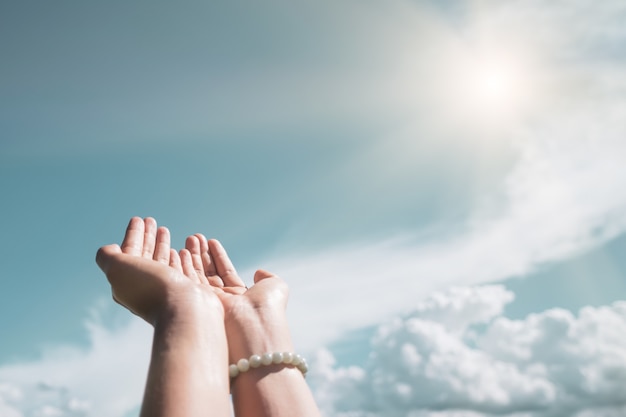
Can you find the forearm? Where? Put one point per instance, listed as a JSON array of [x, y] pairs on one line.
[[188, 374], [274, 390]]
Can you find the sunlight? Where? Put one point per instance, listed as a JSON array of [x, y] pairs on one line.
[[482, 86], [485, 88], [491, 89], [494, 84]]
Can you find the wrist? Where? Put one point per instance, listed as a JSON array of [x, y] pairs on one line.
[[189, 308], [256, 331], [194, 332], [189, 356]]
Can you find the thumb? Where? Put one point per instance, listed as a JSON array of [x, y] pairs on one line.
[[262, 274], [105, 254]]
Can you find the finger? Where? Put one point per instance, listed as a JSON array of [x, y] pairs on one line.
[[149, 237], [187, 264], [162, 247], [175, 261], [279, 287], [207, 262], [133, 240], [223, 265], [104, 255], [193, 246], [262, 274], [215, 281]]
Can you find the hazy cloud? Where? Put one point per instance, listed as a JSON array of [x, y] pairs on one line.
[[564, 196]]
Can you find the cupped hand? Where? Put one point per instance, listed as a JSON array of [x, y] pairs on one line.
[[255, 317], [211, 261], [149, 278]]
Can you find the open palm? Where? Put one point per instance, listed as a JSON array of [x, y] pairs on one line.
[[211, 261], [146, 274]]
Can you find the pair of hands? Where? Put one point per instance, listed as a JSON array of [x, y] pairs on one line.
[[154, 281]]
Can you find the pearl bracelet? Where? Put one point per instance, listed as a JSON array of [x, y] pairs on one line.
[[254, 361]]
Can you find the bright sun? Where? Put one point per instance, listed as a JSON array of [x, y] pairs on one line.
[[494, 84], [486, 87], [493, 88]]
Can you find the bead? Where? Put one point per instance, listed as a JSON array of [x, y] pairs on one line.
[[303, 367], [287, 357], [243, 365], [266, 359], [255, 361]]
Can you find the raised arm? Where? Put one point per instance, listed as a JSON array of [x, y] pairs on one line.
[[188, 372], [256, 323]]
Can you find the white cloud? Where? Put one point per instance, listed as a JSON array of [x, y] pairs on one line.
[[42, 400], [9, 397], [549, 364], [564, 196], [105, 379]]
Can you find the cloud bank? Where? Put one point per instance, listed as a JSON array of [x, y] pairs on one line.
[[454, 355], [105, 379], [550, 364]]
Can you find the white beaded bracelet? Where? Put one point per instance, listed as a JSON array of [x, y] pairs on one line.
[[254, 361]]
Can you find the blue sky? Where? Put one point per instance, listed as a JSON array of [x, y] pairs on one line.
[[418, 171]]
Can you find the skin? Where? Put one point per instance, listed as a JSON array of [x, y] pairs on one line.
[[188, 373], [255, 322], [195, 300]]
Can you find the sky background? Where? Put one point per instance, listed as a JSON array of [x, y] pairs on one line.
[[441, 183]]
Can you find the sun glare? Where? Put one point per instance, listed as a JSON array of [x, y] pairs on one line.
[[493, 89], [486, 87], [494, 84]]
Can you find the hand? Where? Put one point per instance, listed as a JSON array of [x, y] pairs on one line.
[[255, 322], [255, 318], [151, 279]]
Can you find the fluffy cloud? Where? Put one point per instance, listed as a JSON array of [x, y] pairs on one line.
[[40, 400], [455, 355], [552, 363], [105, 379]]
